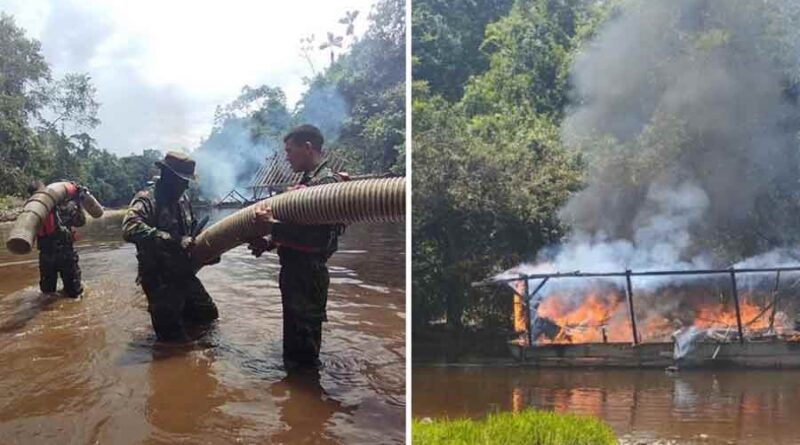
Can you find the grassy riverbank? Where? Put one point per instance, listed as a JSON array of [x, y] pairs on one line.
[[525, 428]]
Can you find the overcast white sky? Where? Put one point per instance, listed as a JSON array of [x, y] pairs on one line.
[[162, 66]]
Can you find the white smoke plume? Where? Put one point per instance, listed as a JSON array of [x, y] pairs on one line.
[[229, 158], [232, 154], [687, 114]]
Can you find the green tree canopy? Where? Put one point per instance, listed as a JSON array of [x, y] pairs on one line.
[[490, 170]]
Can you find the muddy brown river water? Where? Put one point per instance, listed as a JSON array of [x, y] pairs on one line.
[[691, 407], [90, 371]]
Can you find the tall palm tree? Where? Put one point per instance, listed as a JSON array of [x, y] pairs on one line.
[[333, 42], [349, 20]]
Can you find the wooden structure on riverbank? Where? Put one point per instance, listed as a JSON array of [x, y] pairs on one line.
[[273, 177], [276, 175]]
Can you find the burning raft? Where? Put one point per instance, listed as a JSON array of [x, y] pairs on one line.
[[699, 320]]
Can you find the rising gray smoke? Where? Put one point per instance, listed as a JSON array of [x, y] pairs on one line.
[[686, 111], [324, 107], [232, 154], [229, 158]]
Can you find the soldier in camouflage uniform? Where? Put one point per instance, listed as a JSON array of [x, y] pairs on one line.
[[57, 255], [161, 223], [303, 253]]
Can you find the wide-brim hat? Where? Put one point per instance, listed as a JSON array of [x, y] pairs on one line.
[[180, 164]]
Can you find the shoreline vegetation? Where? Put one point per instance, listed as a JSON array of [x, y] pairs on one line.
[[529, 427], [48, 123], [10, 208]]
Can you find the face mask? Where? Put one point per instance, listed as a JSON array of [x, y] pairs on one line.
[[172, 186]]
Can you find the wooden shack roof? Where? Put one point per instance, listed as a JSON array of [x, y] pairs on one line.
[[276, 172]]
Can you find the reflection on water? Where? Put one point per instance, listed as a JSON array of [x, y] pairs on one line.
[[743, 407], [295, 395], [91, 371]]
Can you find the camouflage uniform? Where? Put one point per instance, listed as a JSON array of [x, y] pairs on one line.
[[175, 295], [57, 254], [304, 280]]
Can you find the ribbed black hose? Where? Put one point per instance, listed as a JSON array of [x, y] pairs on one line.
[[36, 209], [369, 200]]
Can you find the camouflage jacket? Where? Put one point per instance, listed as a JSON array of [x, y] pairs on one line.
[[156, 229], [57, 232], [310, 242]]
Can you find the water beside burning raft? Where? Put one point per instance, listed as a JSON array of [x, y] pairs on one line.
[[642, 406], [90, 370]]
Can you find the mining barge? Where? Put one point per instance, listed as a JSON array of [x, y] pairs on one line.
[[746, 331], [774, 354]]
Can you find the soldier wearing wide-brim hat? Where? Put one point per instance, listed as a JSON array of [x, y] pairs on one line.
[[178, 163], [161, 223]]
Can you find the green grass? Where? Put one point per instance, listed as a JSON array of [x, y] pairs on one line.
[[529, 427], [7, 202]]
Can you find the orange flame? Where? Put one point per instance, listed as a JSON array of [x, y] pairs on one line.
[[520, 320], [519, 309], [718, 315], [602, 316], [598, 318]]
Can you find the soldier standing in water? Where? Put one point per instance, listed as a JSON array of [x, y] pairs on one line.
[[303, 252], [161, 223], [55, 241]]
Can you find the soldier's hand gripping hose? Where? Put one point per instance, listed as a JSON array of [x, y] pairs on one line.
[[257, 246], [84, 199], [173, 252], [187, 242], [80, 192]]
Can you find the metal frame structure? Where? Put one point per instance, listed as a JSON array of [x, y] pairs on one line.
[[545, 277], [234, 197]]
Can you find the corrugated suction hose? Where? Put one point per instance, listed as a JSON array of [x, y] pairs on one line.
[[369, 200], [91, 205], [36, 209]]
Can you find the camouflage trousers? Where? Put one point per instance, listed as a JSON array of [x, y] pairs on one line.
[[63, 262], [175, 303], [304, 294]]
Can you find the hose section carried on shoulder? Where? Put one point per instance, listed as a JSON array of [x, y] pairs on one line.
[[36, 209]]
